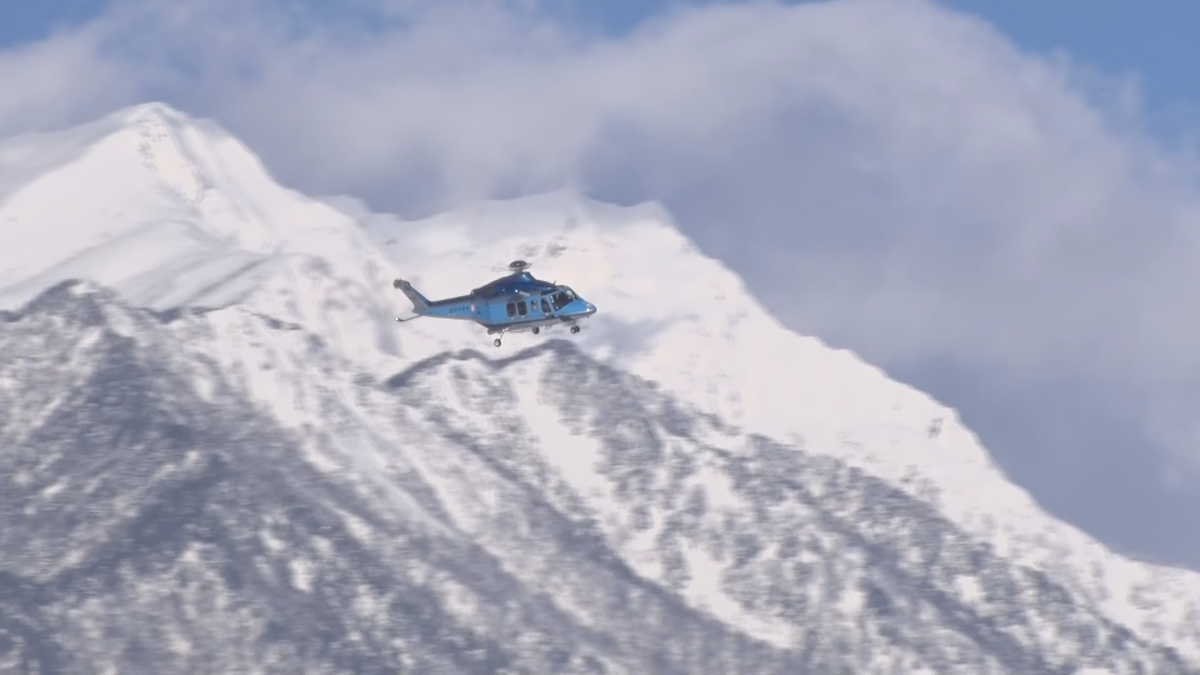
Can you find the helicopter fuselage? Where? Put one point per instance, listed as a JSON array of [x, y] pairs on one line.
[[511, 304]]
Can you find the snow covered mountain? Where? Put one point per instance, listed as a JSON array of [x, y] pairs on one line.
[[222, 455]]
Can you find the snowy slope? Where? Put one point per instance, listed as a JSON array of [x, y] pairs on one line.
[[171, 211], [683, 320], [539, 513]]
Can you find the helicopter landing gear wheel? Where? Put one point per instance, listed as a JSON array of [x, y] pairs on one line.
[[536, 330], [496, 342], [574, 329]]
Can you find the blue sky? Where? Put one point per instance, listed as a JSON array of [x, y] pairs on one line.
[[948, 200], [1156, 43], [23, 22]]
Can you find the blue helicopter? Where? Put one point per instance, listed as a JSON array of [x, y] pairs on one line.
[[513, 303]]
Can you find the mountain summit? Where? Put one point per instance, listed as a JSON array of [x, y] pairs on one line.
[[224, 420]]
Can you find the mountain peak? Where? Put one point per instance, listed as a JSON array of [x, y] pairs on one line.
[[77, 305], [70, 293], [161, 135], [151, 111], [165, 208]]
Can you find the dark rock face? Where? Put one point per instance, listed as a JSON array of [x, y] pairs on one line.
[[154, 523]]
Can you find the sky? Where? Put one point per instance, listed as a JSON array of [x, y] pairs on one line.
[[997, 202]]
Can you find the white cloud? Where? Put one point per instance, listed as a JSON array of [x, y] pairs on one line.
[[52, 83], [888, 175]]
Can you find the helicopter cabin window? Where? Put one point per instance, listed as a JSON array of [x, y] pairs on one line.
[[512, 309], [545, 306], [521, 308]]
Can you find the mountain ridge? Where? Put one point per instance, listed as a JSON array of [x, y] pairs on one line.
[[1058, 546], [314, 267], [590, 560]]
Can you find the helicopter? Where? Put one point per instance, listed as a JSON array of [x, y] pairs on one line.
[[514, 303]]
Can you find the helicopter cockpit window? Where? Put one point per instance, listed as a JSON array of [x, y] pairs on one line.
[[563, 298]]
